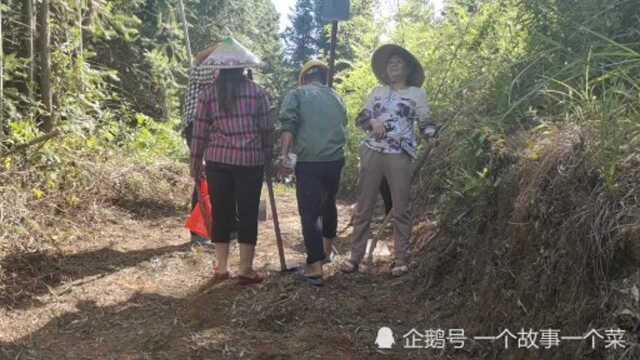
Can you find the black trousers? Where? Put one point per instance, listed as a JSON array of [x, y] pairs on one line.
[[235, 188], [317, 184], [188, 134], [194, 202]]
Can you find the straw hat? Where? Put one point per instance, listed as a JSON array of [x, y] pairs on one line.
[[309, 66], [200, 57], [231, 54], [381, 57]]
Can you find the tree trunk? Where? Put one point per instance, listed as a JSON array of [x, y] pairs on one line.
[[80, 41], [2, 119], [185, 24], [80, 59], [46, 122], [91, 12], [332, 52], [28, 45]]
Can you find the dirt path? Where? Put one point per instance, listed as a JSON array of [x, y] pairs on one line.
[[133, 288]]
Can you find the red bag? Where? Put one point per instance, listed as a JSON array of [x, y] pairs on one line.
[[198, 223]]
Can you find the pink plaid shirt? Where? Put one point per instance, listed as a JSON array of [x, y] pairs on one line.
[[240, 137]]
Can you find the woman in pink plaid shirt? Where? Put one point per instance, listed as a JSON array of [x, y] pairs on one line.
[[232, 135]]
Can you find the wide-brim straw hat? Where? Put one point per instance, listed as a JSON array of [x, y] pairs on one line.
[[230, 54], [308, 66], [381, 57], [200, 57], [201, 72]]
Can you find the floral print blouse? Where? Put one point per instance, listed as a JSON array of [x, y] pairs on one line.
[[401, 110]]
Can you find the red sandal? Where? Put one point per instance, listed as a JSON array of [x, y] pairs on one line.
[[250, 280], [220, 276]]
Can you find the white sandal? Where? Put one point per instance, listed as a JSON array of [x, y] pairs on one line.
[[349, 267], [399, 270]]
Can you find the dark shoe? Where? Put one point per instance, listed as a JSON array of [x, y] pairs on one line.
[[199, 240], [311, 280]]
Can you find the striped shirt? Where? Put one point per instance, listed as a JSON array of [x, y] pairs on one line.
[[240, 137], [200, 77]]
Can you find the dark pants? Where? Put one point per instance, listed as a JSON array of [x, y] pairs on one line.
[[194, 202], [188, 134], [235, 188], [385, 191], [317, 184]]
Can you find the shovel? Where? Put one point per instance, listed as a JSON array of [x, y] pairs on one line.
[[276, 226]]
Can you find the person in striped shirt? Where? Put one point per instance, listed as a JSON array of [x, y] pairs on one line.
[[233, 132], [201, 75]]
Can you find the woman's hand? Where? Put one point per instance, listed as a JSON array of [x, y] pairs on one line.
[[196, 172], [377, 128]]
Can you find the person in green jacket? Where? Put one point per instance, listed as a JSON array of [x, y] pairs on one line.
[[313, 121]]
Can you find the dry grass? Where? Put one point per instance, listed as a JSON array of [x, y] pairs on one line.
[[34, 201], [133, 288], [552, 247], [45, 209]]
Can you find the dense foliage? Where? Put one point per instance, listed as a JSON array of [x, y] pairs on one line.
[[495, 68], [498, 67], [114, 62], [116, 71], [535, 172]]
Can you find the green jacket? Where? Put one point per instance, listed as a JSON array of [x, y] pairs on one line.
[[317, 118]]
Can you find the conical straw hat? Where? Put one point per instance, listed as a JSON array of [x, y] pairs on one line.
[[231, 54]]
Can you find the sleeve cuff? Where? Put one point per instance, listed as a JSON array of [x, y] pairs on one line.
[[288, 129], [429, 130]]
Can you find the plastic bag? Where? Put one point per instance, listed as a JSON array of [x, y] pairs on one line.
[[197, 223]]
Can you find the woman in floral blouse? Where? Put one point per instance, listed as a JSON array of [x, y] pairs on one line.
[[390, 117]]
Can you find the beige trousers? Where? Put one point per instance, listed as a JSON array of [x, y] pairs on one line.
[[398, 170]]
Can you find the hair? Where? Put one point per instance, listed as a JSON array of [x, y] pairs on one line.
[[227, 87], [316, 73]]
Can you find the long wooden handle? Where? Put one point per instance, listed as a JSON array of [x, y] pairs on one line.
[[276, 224]]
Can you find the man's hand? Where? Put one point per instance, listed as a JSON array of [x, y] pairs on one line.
[[283, 170], [286, 142]]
